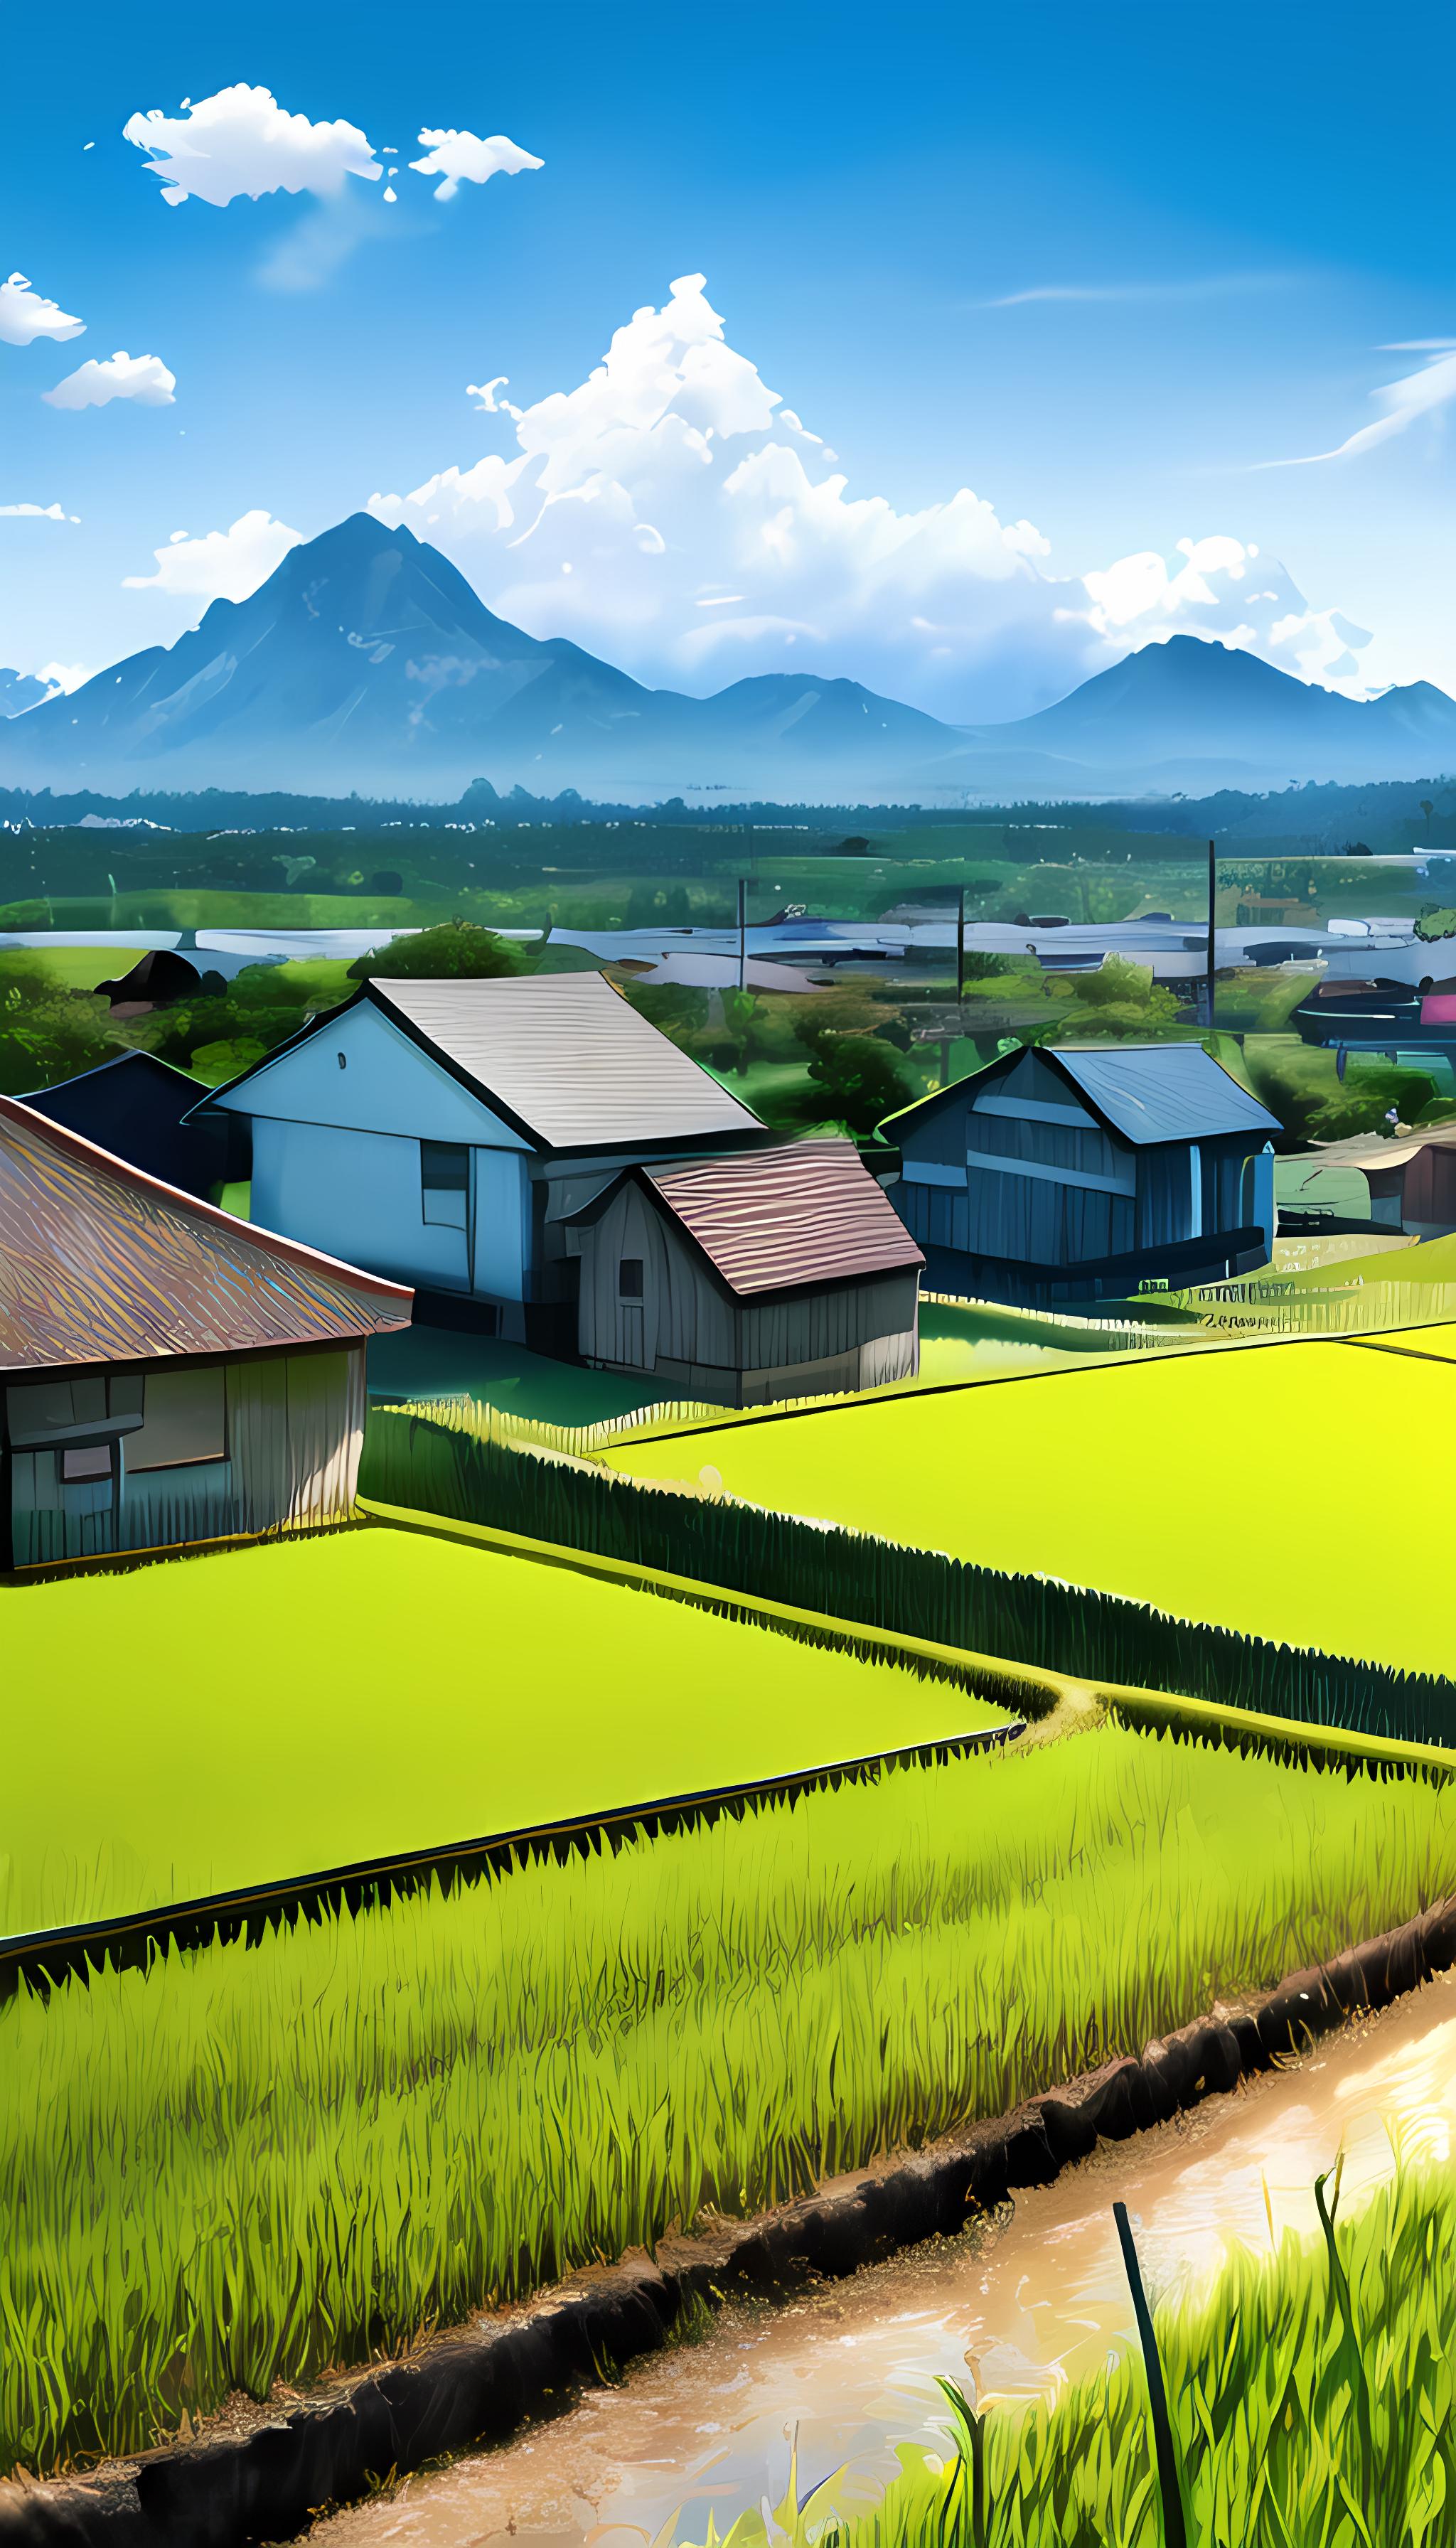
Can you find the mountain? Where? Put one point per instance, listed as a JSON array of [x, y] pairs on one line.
[[20, 691], [366, 661], [1193, 714]]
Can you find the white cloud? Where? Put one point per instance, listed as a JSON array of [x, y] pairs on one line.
[[1195, 286], [66, 676], [25, 314], [462, 159], [671, 515], [241, 142], [313, 250], [1224, 589], [226, 565], [143, 377], [39, 513], [1421, 393]]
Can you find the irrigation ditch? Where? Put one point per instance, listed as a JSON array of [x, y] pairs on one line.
[[479, 2386]]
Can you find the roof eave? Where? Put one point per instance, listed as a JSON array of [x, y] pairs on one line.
[[294, 1250]]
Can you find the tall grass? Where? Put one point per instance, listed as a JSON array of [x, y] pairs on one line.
[[246, 2163], [1311, 2404], [411, 1461]]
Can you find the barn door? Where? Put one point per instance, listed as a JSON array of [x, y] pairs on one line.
[[639, 1251]]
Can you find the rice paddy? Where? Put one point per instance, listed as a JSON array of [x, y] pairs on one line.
[[1231, 1486], [1310, 2401], [250, 1717], [246, 2163]]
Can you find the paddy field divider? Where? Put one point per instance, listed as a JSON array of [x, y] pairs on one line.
[[742, 1553]]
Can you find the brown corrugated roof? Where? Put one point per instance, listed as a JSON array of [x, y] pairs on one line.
[[809, 1213], [101, 1263], [568, 1058]]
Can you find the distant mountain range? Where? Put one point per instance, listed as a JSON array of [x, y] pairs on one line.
[[367, 661]]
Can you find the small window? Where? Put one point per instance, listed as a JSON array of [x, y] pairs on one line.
[[444, 1182], [90, 1460], [184, 1419], [629, 1278]]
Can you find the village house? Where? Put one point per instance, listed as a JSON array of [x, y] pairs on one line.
[[1405, 1185], [1066, 1174], [168, 1374], [448, 1133], [138, 1107], [781, 1273]]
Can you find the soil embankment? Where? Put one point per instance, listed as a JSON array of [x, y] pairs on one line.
[[481, 2385]]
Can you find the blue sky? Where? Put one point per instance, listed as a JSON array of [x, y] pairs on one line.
[[1094, 265]]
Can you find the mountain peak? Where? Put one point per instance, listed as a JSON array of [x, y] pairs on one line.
[[367, 661]]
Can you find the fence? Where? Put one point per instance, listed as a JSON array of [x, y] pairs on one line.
[[1265, 1307], [415, 1462]]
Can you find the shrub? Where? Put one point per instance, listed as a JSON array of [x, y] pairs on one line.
[[459, 949]]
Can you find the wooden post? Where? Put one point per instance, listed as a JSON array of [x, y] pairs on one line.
[[961, 953], [1209, 982], [743, 932]]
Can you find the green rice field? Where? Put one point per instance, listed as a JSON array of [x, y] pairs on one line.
[[1309, 2401], [258, 1714], [250, 2162], [1243, 1486]]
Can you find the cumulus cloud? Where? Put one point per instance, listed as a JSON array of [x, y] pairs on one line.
[[1423, 393], [143, 377], [25, 314], [463, 159], [66, 676], [39, 513], [1224, 589], [241, 142], [673, 514], [221, 565]]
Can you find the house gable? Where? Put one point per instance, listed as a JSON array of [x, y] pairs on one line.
[[387, 1083]]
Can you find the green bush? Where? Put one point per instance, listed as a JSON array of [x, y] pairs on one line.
[[47, 1033], [457, 951]]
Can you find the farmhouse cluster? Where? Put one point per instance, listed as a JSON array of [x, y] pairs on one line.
[[531, 1159]]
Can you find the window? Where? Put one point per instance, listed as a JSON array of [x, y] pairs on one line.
[[89, 1461], [184, 1418], [629, 1278], [444, 1182]]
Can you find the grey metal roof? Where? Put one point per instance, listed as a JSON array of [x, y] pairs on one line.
[[809, 1213], [1162, 1092], [568, 1057]]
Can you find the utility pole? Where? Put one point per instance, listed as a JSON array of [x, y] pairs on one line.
[[1209, 979], [961, 952], [742, 933]]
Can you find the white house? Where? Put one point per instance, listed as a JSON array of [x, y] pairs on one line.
[[445, 1134]]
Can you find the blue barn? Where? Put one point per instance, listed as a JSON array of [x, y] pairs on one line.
[[1083, 1173]]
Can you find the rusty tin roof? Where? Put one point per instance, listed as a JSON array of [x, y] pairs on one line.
[[770, 1220], [101, 1263]]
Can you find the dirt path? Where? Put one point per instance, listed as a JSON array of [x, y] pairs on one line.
[[773, 2397]]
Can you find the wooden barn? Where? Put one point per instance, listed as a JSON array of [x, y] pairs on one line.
[[1067, 1174], [782, 1273], [445, 1132], [1368, 1183], [168, 1374], [136, 1107]]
